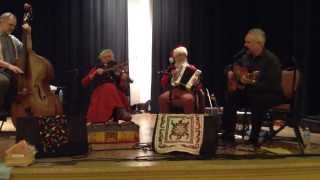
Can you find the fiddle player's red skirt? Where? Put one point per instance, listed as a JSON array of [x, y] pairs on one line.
[[104, 99]]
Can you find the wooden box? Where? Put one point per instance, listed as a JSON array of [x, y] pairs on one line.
[[113, 133]]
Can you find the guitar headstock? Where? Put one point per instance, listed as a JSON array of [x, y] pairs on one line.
[[27, 16]]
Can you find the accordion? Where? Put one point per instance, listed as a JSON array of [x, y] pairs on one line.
[[186, 76]]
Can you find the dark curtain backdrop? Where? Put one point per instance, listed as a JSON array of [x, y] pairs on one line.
[[70, 33], [214, 30]]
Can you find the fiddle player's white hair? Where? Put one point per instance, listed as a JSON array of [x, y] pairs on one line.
[[259, 35], [6, 16], [180, 50], [105, 51]]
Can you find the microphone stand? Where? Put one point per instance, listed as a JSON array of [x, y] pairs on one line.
[[170, 86]]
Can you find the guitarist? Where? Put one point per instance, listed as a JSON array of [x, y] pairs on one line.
[[107, 100], [259, 91], [11, 50]]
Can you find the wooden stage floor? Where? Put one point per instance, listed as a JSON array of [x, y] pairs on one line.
[[140, 162]]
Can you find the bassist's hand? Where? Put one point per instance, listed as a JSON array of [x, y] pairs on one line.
[[15, 69], [27, 28]]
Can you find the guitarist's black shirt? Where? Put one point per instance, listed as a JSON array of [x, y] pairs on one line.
[[268, 65]]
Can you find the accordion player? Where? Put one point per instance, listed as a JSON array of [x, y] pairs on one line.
[[181, 85]]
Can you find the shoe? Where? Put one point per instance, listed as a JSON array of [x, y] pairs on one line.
[[111, 122], [88, 124], [252, 143], [228, 138], [122, 114], [247, 147]]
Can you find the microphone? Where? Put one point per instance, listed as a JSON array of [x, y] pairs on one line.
[[171, 60], [240, 53], [171, 64]]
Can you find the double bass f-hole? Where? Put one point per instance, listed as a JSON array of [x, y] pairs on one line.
[[41, 94]]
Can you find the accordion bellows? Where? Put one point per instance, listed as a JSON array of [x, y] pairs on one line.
[[187, 76]]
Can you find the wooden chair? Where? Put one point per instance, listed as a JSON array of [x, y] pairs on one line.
[[287, 112]]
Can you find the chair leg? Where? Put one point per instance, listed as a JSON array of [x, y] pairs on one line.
[[299, 139], [2, 122], [245, 124]]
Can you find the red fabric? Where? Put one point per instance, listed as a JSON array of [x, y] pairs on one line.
[[165, 81], [180, 98], [104, 99]]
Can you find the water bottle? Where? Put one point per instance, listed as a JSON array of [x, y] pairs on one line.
[[306, 137], [262, 136], [213, 100], [60, 95]]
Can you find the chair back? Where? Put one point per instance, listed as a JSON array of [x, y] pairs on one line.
[[289, 82]]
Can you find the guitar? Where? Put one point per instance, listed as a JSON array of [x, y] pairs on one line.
[[238, 77]]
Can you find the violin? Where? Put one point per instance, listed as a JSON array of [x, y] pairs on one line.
[[113, 73], [112, 66]]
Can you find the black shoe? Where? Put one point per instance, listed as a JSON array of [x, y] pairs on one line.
[[252, 142], [228, 138], [121, 114]]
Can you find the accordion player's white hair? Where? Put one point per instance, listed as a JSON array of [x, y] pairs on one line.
[[180, 50]]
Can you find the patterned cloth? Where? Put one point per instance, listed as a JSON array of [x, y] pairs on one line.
[[53, 133], [179, 132]]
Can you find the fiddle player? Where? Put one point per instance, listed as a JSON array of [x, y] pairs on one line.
[[178, 96], [259, 93], [107, 100], [11, 51]]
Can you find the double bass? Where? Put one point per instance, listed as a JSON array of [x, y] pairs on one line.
[[33, 87]]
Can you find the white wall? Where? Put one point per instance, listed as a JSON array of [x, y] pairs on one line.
[[140, 49]]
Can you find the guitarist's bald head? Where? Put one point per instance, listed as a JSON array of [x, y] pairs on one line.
[[259, 35], [6, 16]]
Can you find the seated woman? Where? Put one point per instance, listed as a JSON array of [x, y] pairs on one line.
[[108, 99], [178, 95]]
